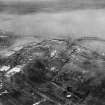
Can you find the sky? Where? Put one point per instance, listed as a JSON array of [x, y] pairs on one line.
[[26, 0], [21, 20], [32, 19]]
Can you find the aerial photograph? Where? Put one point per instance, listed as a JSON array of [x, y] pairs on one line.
[[52, 52]]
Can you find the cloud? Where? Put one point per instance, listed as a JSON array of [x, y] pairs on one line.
[[26, 0]]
